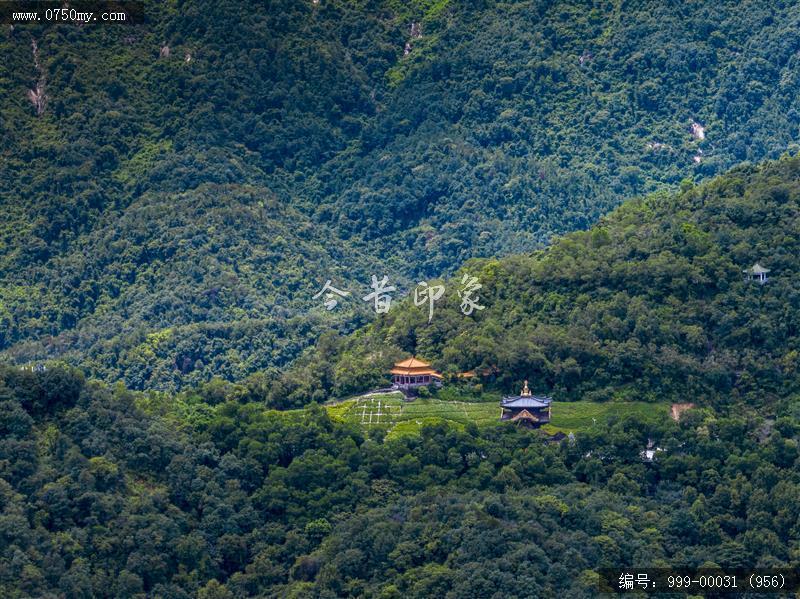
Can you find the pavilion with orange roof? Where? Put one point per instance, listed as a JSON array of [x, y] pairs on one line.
[[413, 373]]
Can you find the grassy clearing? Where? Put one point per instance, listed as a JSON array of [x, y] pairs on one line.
[[401, 417], [579, 416]]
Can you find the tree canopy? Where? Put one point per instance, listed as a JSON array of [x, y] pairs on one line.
[[102, 493], [193, 181]]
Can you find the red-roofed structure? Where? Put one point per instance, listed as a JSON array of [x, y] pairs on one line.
[[413, 373]]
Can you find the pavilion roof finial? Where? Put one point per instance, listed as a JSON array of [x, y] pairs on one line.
[[525, 391]]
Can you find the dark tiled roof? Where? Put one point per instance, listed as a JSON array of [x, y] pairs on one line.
[[526, 401]]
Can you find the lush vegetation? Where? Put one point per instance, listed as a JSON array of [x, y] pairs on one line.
[[168, 211], [172, 196], [102, 497], [651, 304], [397, 416]]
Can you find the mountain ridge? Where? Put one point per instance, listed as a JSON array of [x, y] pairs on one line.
[[650, 304], [503, 125]]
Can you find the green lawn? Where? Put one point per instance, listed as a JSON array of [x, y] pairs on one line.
[[400, 417], [575, 416]]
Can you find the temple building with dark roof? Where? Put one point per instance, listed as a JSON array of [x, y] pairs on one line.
[[526, 409]]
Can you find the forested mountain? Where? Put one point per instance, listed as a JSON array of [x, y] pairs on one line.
[[173, 194], [102, 497], [652, 304]]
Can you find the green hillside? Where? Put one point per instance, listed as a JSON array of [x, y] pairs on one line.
[[106, 492], [181, 418], [395, 415], [189, 184], [651, 304]]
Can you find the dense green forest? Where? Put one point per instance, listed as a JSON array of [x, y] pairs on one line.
[[211, 493], [173, 194], [650, 304], [104, 493]]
